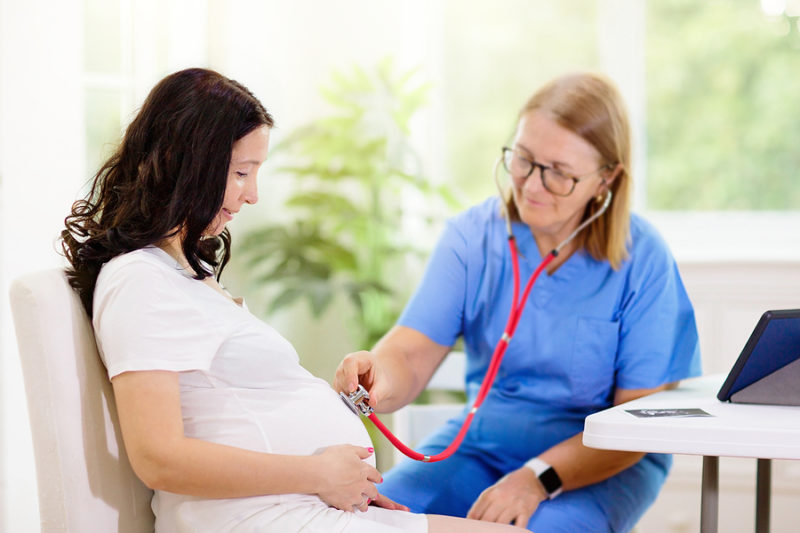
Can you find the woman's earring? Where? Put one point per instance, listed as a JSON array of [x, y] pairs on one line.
[[600, 196]]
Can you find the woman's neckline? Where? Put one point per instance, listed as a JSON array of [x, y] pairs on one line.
[[182, 265]]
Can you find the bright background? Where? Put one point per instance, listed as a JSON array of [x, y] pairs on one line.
[[711, 86]]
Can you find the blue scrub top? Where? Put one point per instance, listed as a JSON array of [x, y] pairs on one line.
[[585, 330]]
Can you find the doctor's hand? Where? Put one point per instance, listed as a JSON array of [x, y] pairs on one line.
[[361, 368], [512, 500], [344, 480]]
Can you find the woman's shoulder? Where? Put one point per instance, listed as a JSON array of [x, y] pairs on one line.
[[469, 228], [644, 233], [647, 249], [147, 264], [478, 216]]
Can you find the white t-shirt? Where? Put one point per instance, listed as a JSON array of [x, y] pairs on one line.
[[241, 383]]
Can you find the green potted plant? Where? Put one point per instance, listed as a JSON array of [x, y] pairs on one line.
[[356, 184]]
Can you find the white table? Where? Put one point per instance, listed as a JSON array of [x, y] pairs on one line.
[[764, 432]]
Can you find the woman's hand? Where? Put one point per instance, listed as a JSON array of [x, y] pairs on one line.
[[512, 500], [345, 481]]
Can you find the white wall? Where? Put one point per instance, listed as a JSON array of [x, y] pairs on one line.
[[41, 156]]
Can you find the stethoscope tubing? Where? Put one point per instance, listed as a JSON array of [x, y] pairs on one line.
[[494, 365]]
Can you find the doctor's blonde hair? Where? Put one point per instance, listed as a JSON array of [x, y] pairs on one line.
[[590, 106]]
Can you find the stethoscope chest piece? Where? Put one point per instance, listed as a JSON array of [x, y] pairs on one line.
[[357, 401]]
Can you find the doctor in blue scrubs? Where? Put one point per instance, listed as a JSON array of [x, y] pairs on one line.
[[609, 321]]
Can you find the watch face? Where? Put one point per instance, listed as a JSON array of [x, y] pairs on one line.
[[550, 480]]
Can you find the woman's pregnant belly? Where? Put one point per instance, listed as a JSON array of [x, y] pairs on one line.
[[297, 418]]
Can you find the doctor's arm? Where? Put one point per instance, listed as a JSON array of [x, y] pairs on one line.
[[517, 495], [148, 404], [582, 465]]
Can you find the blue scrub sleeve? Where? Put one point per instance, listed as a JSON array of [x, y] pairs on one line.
[[437, 307], [658, 341]]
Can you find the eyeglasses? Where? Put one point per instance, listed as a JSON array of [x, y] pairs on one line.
[[520, 167]]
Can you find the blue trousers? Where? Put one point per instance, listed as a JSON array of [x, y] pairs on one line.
[[450, 487]]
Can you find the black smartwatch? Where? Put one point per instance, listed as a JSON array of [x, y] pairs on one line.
[[547, 475]]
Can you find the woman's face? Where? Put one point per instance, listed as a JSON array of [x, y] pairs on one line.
[[249, 153], [541, 139]]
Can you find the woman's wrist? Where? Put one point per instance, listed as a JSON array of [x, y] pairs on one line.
[[308, 473]]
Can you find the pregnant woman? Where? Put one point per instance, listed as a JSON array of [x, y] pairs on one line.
[[217, 415]]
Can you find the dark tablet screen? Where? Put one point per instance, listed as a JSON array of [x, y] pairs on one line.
[[774, 343]]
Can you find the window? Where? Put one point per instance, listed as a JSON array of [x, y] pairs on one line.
[[493, 58], [107, 71], [712, 92], [722, 100], [128, 46]]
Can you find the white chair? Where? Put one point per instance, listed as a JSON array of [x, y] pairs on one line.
[[85, 482], [414, 422]]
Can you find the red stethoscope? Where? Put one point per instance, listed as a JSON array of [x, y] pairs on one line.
[[357, 400]]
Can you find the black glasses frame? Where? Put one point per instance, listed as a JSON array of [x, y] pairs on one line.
[[544, 168]]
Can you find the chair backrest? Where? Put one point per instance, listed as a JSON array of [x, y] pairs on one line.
[[85, 482], [414, 422]]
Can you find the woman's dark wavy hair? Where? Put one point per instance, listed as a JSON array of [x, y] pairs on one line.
[[167, 177]]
